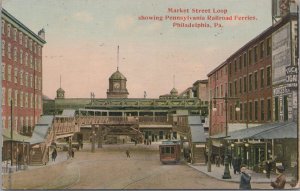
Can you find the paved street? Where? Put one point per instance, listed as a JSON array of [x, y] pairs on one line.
[[109, 168]]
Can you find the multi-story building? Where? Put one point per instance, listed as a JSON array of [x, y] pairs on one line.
[[21, 74], [261, 82], [217, 87], [200, 89]]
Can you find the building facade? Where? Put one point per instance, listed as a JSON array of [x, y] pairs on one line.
[[21, 74], [217, 86]]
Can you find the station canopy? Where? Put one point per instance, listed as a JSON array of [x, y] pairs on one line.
[[281, 130]]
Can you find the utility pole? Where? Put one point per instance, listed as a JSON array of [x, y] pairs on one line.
[[93, 138], [226, 162], [100, 136]]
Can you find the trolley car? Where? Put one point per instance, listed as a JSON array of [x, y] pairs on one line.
[[169, 151]]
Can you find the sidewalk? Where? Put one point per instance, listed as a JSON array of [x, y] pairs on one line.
[[217, 173]]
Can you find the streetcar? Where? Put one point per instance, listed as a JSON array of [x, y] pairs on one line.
[[169, 151]]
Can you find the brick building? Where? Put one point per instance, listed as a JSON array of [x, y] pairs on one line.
[[217, 87], [21, 74]]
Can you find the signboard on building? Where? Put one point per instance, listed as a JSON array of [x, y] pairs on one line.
[[281, 54], [281, 90], [291, 77]]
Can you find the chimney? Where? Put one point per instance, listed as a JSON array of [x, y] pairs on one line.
[[41, 34]]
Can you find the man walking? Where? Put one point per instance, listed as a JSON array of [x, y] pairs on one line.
[[127, 153]]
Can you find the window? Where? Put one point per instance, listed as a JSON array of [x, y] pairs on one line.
[[15, 34], [235, 88], [240, 62], [15, 54], [26, 59], [21, 99], [9, 97], [9, 50], [3, 71], [245, 60], [16, 75], [250, 111], [31, 81], [39, 51], [34, 49], [8, 30], [245, 84], [250, 82], [20, 38], [3, 26], [255, 80], [3, 122], [21, 77], [16, 98], [31, 61], [262, 78], [261, 48], [245, 112], [3, 96], [35, 64], [26, 100], [229, 69], [16, 124], [9, 73], [230, 89], [255, 110], [26, 79], [269, 76], [26, 42], [231, 112], [21, 123], [21, 56], [235, 66], [31, 100], [30, 44], [269, 110], [3, 48], [262, 110], [241, 111], [250, 57], [240, 86], [269, 46], [221, 90], [255, 54]]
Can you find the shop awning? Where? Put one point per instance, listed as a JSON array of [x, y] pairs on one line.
[[279, 130], [41, 130], [287, 131], [16, 136]]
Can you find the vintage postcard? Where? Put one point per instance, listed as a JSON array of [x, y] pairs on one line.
[[149, 94]]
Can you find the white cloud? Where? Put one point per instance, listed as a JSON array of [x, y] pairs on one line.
[[83, 16]]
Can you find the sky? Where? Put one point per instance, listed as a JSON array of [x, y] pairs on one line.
[[83, 35]]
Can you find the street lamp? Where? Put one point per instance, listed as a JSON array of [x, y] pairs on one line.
[[247, 154], [226, 162]]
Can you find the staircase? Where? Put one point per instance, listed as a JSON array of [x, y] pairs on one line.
[[41, 140]]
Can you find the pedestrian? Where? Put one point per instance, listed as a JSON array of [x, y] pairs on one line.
[[234, 165], [245, 179], [268, 168], [238, 163], [72, 153], [280, 181], [127, 153], [54, 154]]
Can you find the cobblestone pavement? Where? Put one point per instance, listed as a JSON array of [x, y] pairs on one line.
[[109, 168]]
